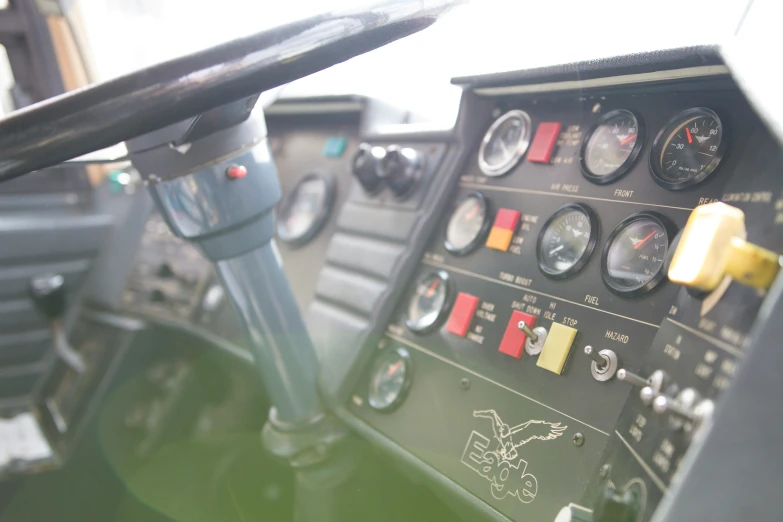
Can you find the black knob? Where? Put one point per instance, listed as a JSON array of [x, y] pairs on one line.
[[48, 293], [616, 506], [157, 296], [165, 271], [365, 167], [400, 168]]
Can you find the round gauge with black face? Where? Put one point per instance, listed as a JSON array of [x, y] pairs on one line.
[[468, 224], [304, 211], [688, 149], [505, 142], [634, 255], [567, 240], [612, 146], [390, 380], [431, 300]]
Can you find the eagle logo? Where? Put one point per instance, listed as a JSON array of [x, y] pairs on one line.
[[501, 465], [509, 439]]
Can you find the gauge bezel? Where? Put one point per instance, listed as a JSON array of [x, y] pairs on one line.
[[656, 169], [480, 238], [595, 232], [625, 167], [519, 151], [447, 303], [330, 186], [405, 356], [666, 225]]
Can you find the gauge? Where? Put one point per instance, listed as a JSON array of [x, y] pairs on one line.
[[468, 224], [303, 212], [567, 240], [430, 302], [635, 253], [612, 146], [391, 378], [688, 149], [505, 142]]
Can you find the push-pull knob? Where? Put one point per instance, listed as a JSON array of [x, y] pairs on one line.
[[713, 247], [48, 294]]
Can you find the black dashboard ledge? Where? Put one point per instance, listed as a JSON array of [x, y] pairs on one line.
[[639, 63]]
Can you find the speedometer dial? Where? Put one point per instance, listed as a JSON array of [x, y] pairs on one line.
[[468, 224], [567, 240], [688, 149], [505, 142], [612, 146], [634, 255]]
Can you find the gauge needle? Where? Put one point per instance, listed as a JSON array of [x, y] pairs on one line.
[[558, 249], [643, 241], [688, 132], [629, 138], [472, 213], [431, 289], [393, 368]]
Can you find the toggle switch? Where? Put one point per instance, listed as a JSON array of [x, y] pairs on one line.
[[713, 246], [688, 411], [604, 364]]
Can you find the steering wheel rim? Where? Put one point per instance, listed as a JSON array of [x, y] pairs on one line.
[[104, 114]]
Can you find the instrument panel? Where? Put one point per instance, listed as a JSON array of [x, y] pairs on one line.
[[541, 313]]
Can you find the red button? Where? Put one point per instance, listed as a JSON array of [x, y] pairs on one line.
[[236, 172], [506, 219], [462, 314], [544, 142], [514, 339]]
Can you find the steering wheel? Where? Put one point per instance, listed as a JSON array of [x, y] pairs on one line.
[[105, 114]]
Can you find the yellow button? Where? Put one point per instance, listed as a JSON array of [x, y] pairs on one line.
[[556, 348], [499, 239]]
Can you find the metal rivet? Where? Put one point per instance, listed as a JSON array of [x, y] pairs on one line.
[[604, 471], [464, 383], [579, 439]]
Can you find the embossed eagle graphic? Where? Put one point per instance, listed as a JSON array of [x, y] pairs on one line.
[[510, 438]]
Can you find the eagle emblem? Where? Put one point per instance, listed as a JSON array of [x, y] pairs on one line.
[[501, 465]]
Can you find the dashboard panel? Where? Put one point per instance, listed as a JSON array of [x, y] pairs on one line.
[[525, 428]]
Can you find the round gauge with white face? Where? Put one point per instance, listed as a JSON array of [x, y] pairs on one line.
[[505, 143], [304, 211], [567, 241], [390, 379], [612, 146], [468, 224], [431, 300]]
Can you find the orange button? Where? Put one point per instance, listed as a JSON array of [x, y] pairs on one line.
[[499, 239]]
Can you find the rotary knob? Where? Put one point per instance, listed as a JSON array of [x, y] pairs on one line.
[[401, 169], [364, 167]]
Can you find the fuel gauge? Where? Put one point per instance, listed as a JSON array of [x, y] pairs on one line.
[[634, 255]]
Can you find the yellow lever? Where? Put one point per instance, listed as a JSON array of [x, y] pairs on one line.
[[713, 246]]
